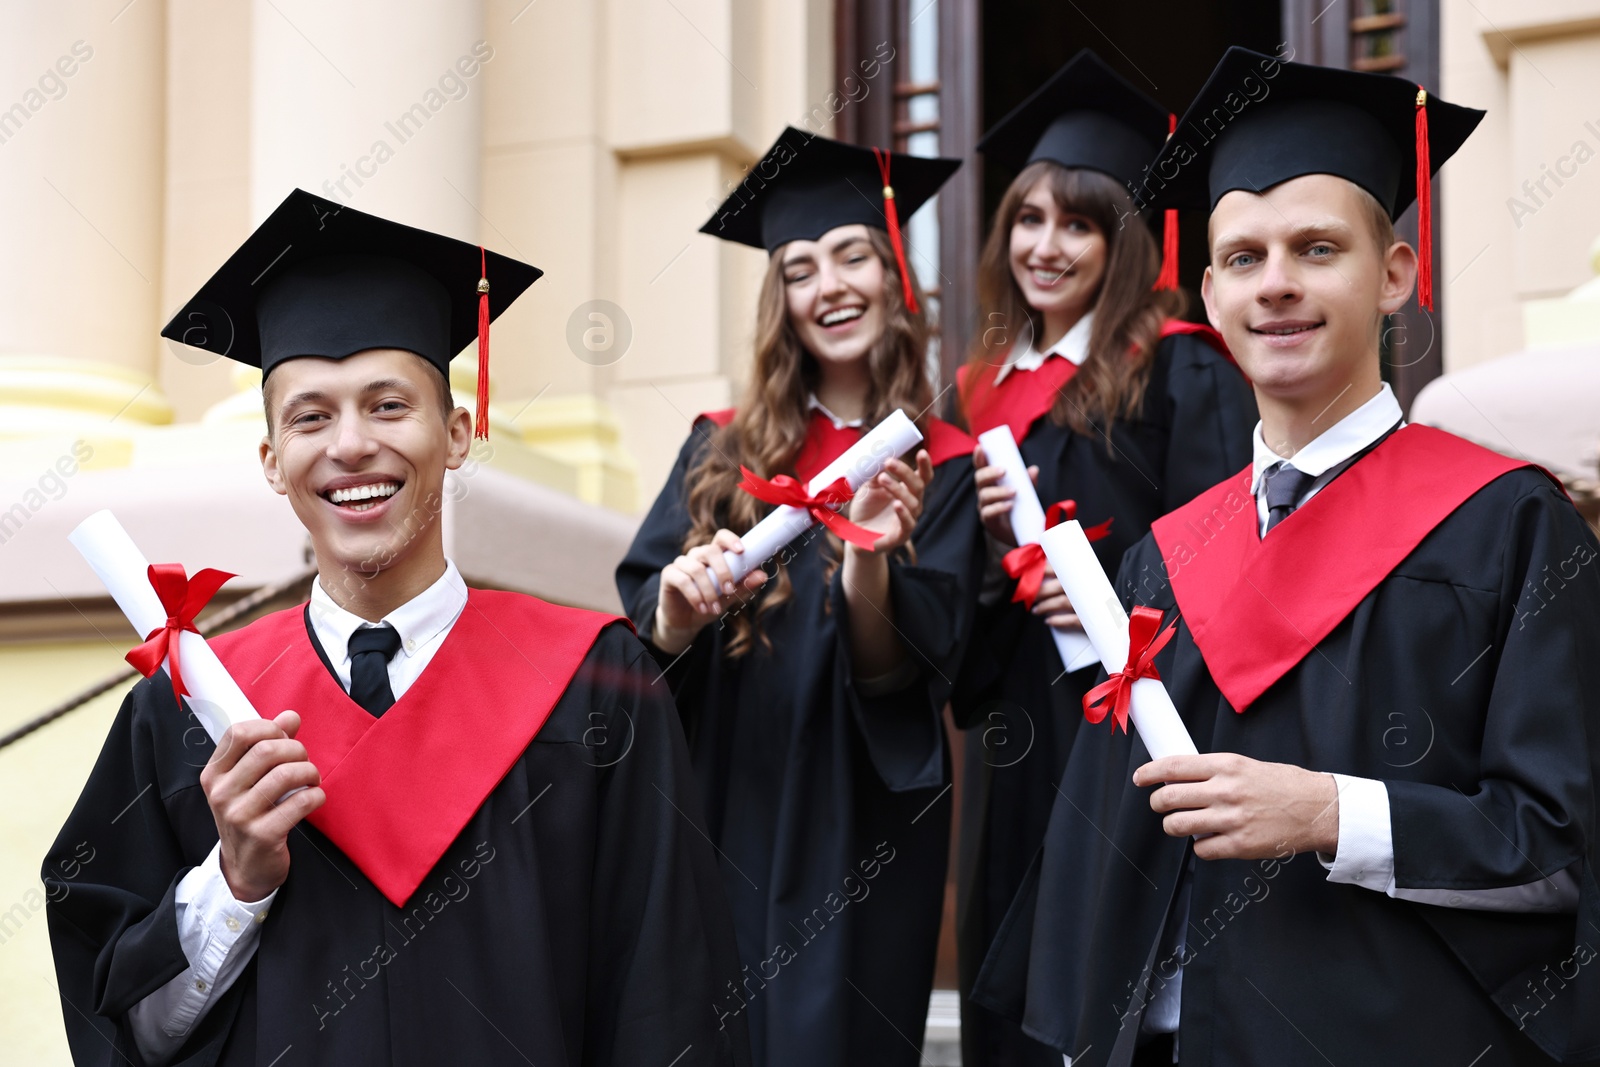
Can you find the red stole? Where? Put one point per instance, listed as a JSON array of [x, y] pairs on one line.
[[826, 442], [1173, 327], [1026, 396], [401, 788], [1020, 400], [1257, 607]]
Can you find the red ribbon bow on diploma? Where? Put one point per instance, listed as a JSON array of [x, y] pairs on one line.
[[1143, 644], [183, 597], [1027, 563], [785, 490]]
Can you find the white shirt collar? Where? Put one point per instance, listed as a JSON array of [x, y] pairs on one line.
[[813, 404], [418, 620], [1074, 346], [1336, 444]]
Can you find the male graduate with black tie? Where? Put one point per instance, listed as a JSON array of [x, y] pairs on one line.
[[474, 837], [1384, 649]]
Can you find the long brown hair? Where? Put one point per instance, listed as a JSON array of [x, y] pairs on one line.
[[1127, 313], [769, 427]]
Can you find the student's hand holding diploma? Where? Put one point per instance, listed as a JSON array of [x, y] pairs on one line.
[[994, 509], [890, 504], [1053, 603], [689, 599], [1246, 809], [254, 765], [994, 499]]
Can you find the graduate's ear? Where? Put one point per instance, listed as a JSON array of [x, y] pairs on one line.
[[1208, 296], [269, 467], [458, 425], [1399, 277]]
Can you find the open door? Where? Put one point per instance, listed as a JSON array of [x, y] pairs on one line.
[[932, 108]]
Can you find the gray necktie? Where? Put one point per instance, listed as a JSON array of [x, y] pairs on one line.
[[1285, 486]]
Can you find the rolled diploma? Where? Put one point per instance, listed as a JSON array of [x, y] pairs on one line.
[[214, 696], [862, 461], [1096, 603], [1027, 525]]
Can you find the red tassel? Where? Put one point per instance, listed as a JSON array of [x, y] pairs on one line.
[[481, 430], [892, 216], [1424, 206], [1168, 278]]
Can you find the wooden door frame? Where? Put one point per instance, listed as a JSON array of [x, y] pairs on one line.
[[861, 27]]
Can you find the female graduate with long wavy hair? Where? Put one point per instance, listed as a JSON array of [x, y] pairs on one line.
[[811, 692], [1120, 408]]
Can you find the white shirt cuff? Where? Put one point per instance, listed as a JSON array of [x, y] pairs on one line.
[[1366, 842], [1366, 858], [219, 936]]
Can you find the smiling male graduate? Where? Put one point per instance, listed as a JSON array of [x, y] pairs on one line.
[[467, 831], [1385, 650]]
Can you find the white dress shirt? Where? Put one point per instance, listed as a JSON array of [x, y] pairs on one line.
[[813, 404], [1073, 347], [1365, 855], [1330, 452], [219, 934]]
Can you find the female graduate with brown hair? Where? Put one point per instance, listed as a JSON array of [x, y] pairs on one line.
[[1118, 407], [811, 691]]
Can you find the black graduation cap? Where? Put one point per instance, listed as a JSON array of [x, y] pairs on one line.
[[806, 185], [1087, 115], [321, 279], [1259, 121]]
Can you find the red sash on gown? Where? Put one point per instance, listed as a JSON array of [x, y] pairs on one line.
[[1257, 607], [402, 787]]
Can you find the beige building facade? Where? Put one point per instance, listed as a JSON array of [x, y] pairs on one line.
[[1521, 209]]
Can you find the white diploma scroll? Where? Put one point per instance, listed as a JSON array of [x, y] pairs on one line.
[[214, 696], [1096, 603], [862, 461], [1027, 526]]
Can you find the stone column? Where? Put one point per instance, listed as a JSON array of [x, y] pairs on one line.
[[694, 93], [80, 172], [376, 104]]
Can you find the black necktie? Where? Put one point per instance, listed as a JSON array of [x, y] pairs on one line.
[[371, 648], [1285, 486]]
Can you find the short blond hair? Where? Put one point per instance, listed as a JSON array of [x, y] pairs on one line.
[[1379, 224], [1378, 220]]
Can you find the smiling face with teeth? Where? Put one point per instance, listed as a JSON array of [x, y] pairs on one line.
[[360, 447], [834, 290], [1299, 283], [1058, 259]]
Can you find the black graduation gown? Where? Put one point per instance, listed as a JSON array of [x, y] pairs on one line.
[[829, 809], [1191, 431], [577, 919], [1467, 681]]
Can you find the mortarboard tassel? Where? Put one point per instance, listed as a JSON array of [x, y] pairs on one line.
[[1424, 206], [481, 430], [1168, 278], [892, 216]]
